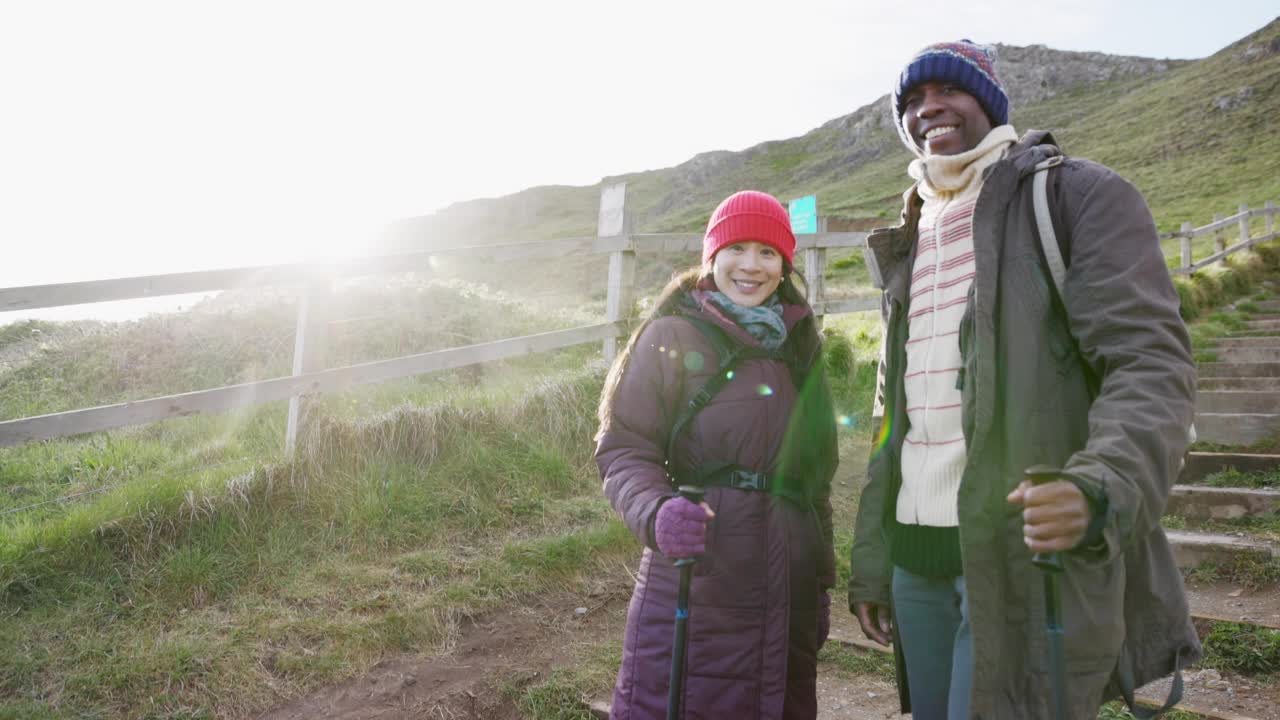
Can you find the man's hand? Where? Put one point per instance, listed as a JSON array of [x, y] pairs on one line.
[[876, 621], [1055, 515]]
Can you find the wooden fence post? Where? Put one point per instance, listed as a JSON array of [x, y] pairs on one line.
[[815, 268], [1271, 216], [1244, 223], [308, 353], [1219, 239], [1186, 246], [613, 221]]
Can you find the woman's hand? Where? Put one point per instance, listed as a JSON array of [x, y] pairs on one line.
[[680, 528]]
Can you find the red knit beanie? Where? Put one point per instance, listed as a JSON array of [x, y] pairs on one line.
[[749, 215]]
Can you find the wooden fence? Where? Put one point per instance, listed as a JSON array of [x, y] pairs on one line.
[[1218, 229], [314, 281], [613, 237]]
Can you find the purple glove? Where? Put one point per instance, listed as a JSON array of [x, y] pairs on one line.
[[680, 528], [824, 618]]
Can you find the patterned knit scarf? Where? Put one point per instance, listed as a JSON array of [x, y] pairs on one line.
[[763, 322], [942, 176]]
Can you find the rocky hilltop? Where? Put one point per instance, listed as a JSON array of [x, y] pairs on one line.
[[1190, 133]]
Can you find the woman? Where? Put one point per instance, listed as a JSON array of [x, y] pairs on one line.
[[764, 447]]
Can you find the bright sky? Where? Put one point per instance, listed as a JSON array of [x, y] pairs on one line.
[[144, 137]]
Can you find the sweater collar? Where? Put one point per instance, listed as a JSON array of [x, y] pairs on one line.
[[944, 176]]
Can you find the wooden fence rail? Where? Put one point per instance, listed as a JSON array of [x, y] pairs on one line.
[[314, 281], [1216, 228], [614, 237]]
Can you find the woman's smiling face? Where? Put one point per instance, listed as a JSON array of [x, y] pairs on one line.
[[747, 272]]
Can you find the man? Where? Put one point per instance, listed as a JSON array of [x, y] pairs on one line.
[[987, 371]]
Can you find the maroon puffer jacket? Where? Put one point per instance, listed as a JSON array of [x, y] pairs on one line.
[[753, 602]]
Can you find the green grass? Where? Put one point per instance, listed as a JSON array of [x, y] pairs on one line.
[[1206, 332], [1234, 478], [188, 568], [564, 694], [200, 592], [1214, 287], [1264, 446], [1264, 527], [1246, 570], [853, 663], [1261, 527], [242, 337], [226, 341], [1242, 648]]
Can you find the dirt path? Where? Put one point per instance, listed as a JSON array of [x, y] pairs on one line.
[[520, 646], [512, 647], [1228, 601]]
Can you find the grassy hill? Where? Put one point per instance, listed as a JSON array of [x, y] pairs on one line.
[[1194, 136], [189, 569]]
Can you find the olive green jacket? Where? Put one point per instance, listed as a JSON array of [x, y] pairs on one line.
[[1104, 390]]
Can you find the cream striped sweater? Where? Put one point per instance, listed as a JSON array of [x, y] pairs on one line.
[[933, 454]]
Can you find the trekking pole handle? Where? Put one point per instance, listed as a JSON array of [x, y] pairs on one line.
[[694, 494], [1039, 475]]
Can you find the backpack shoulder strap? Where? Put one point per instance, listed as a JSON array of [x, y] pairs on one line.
[[726, 356], [1044, 222]]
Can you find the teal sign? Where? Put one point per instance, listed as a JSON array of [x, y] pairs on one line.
[[804, 215]]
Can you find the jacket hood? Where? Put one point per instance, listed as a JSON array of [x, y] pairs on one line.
[[1034, 147]]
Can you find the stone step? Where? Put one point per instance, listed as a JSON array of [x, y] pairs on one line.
[[1191, 548], [1237, 354], [1221, 602], [1237, 401], [1239, 369], [1252, 384], [1265, 341], [1236, 428], [1198, 504], [1263, 325], [1200, 465], [1255, 317], [1228, 602], [1267, 305]]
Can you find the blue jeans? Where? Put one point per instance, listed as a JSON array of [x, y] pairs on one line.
[[932, 615]]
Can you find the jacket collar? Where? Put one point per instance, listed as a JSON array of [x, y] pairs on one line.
[[888, 248]]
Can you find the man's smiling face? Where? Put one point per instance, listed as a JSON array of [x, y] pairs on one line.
[[943, 119]]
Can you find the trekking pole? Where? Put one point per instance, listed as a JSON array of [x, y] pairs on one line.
[[675, 695], [1051, 566]]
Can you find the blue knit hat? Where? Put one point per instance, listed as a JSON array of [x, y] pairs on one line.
[[964, 63]]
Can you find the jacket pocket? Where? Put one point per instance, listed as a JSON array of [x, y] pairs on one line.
[[1039, 319], [733, 571]]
